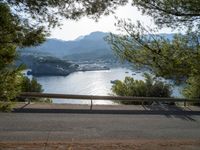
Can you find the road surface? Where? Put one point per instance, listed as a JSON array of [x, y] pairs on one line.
[[108, 124]]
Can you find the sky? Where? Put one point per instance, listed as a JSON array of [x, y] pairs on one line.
[[73, 29]]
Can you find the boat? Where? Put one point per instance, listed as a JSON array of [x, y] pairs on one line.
[[113, 81]]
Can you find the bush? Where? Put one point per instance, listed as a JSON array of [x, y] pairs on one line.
[[192, 89], [31, 85], [10, 80], [6, 106], [150, 87]]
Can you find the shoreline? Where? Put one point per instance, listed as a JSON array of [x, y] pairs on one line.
[[64, 75]]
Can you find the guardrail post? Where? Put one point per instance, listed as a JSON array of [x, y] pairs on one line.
[[91, 105], [142, 103], [28, 100]]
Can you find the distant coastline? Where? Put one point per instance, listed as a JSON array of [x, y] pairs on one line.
[[29, 72]]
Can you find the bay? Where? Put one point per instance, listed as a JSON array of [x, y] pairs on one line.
[[89, 83]]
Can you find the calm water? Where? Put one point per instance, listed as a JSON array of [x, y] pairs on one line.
[[87, 83]]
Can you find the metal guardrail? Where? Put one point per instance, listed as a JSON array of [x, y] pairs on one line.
[[113, 98]]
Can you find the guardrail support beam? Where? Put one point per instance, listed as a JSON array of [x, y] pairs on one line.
[[28, 100]]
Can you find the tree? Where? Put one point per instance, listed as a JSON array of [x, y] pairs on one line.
[[171, 13], [150, 87], [176, 59], [192, 88], [12, 35], [172, 59], [52, 11]]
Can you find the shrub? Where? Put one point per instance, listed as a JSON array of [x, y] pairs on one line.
[[6, 106], [192, 89], [10, 80], [31, 85], [150, 87]]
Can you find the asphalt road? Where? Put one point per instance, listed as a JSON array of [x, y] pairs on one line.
[[78, 125]]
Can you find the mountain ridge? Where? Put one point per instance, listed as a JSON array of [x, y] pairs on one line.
[[84, 44], [59, 48]]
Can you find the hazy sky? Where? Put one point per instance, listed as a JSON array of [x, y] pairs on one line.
[[72, 29]]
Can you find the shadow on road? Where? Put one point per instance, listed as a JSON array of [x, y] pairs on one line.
[[168, 111], [24, 106], [174, 111]]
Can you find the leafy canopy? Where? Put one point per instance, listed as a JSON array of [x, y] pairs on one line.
[[177, 58], [171, 13], [51, 11], [12, 35]]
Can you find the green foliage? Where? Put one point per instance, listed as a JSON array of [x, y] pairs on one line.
[[176, 58], [16, 33], [150, 87], [31, 85], [6, 107], [10, 81], [51, 12], [171, 13], [192, 89], [13, 34]]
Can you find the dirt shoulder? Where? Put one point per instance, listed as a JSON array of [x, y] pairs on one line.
[[106, 145]]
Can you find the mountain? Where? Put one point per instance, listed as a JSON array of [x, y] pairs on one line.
[[93, 43], [91, 46]]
